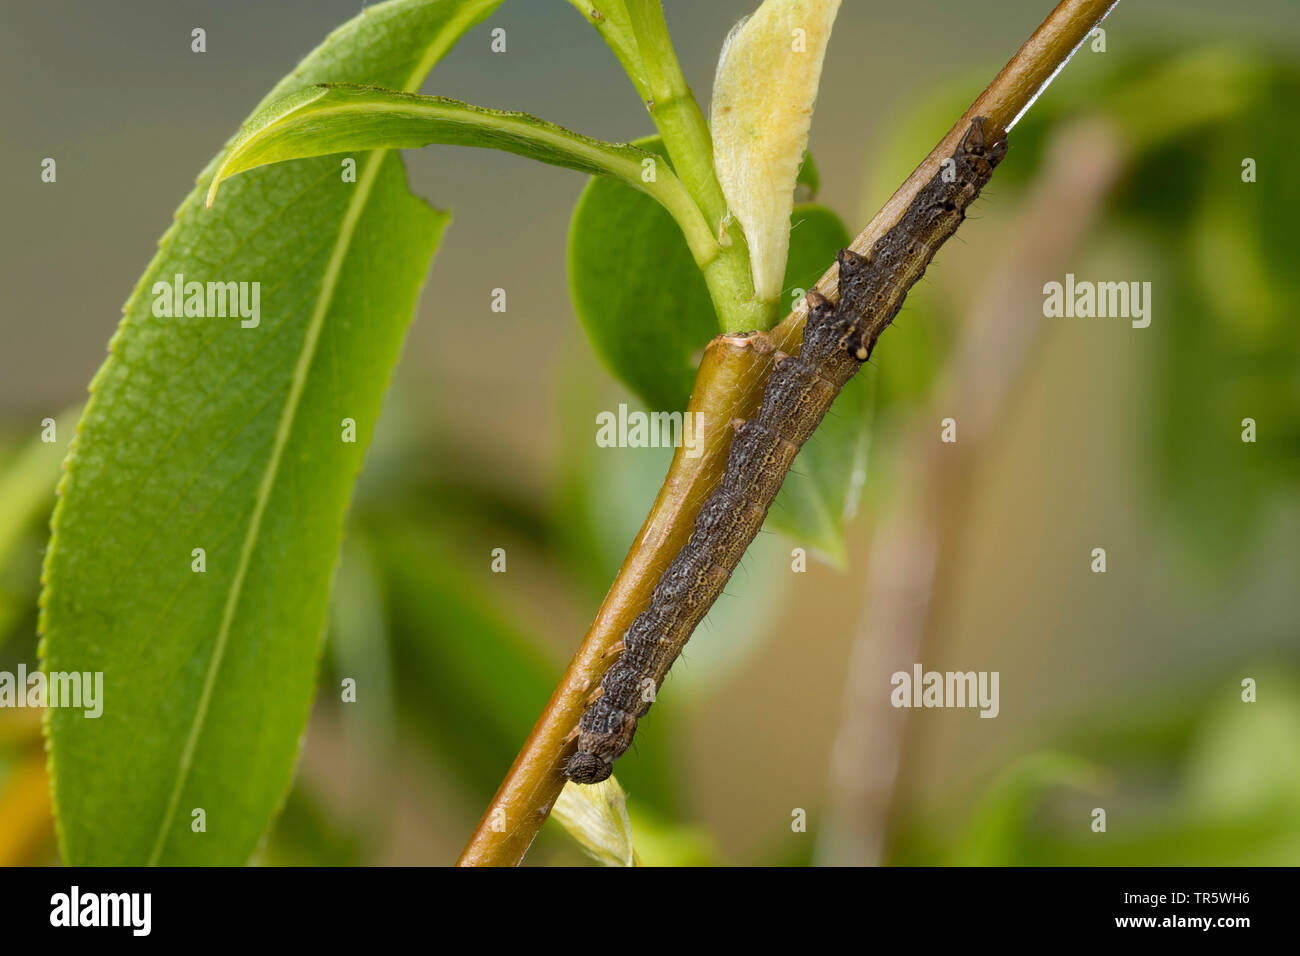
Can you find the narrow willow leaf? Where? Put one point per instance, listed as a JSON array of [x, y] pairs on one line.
[[763, 95], [229, 435], [596, 816], [337, 118]]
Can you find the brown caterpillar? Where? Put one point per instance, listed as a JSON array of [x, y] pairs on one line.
[[836, 341]]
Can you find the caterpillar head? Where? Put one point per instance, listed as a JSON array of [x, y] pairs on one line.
[[588, 768]]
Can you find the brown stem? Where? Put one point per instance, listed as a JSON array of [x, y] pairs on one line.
[[729, 385], [1012, 90]]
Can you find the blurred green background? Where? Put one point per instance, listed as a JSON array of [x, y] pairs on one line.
[[1119, 691]]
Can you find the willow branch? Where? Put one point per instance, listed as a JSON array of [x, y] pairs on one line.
[[729, 385]]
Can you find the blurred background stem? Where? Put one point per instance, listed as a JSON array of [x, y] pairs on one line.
[[913, 553]]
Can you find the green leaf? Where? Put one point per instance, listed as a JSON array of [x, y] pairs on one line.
[[637, 291], [341, 118], [203, 433]]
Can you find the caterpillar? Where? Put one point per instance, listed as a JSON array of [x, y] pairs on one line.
[[837, 340]]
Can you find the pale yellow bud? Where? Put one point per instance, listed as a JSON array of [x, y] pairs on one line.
[[596, 816], [763, 95]]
